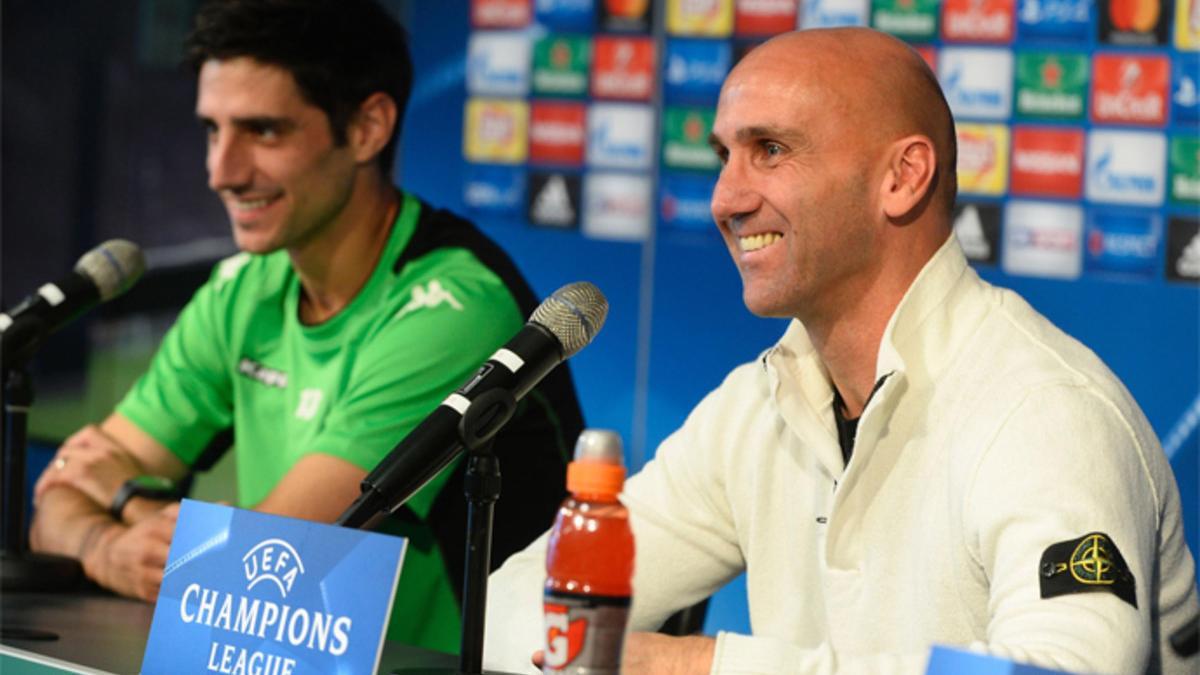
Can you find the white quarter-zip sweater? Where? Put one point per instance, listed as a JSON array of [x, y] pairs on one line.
[[993, 437]]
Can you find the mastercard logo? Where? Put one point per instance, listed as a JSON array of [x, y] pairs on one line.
[[1134, 15]]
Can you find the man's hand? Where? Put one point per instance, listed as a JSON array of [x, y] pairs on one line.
[[130, 560], [657, 654], [93, 463]]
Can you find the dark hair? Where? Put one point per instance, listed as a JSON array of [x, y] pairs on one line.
[[339, 51]]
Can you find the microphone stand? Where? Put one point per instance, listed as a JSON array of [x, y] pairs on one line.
[[481, 488], [20, 569]]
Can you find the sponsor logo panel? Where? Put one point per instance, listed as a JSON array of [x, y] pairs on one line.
[[1185, 169], [500, 13], [498, 63], [1043, 239], [764, 17], [496, 131], [1185, 92], [685, 201], [978, 20], [567, 15], [1133, 22], [617, 206], [625, 16], [1183, 250], [1126, 167], [833, 13], [709, 18], [928, 53], [685, 139], [620, 136], [1122, 242], [556, 132], [977, 81], [498, 190], [1055, 19], [982, 158], [914, 20], [623, 67], [1187, 24], [554, 199], [1052, 84], [1129, 89], [1047, 162], [560, 65], [977, 228], [694, 70]]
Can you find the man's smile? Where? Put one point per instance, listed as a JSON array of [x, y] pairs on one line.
[[755, 242]]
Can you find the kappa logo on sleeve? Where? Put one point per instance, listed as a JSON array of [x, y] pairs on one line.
[[1089, 564], [427, 297]]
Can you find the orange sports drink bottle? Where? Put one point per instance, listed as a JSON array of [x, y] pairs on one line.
[[589, 564]]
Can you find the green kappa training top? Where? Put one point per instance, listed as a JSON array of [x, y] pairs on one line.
[[351, 387]]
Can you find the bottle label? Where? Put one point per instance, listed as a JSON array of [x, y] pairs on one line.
[[584, 633]]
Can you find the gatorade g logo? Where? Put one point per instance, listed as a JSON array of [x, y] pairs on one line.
[[564, 638]]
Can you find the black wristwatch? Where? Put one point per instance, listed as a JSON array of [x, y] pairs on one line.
[[152, 487]]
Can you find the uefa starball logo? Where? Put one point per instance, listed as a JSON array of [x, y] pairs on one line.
[[273, 560]]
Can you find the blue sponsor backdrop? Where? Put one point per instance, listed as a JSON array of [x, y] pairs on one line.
[[678, 325]]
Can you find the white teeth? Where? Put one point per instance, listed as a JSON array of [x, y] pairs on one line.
[[247, 205], [757, 241]]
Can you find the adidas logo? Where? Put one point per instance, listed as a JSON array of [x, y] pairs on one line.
[[552, 206], [1188, 264], [969, 230]]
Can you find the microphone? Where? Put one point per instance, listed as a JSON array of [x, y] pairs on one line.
[[101, 274], [562, 325]]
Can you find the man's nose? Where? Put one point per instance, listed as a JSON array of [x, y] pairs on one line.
[[228, 162], [733, 195]]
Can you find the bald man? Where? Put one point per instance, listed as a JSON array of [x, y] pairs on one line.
[[922, 458]]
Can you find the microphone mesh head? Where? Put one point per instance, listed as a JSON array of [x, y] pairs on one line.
[[113, 266], [574, 314]]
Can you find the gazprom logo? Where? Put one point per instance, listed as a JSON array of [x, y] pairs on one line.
[[834, 13], [498, 63], [619, 136], [977, 81], [1126, 167], [272, 560]]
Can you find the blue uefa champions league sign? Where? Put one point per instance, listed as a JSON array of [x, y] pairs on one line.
[[256, 594]]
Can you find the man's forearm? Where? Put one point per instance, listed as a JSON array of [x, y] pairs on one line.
[[68, 523]]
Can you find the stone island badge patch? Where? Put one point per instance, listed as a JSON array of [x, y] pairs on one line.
[[1089, 564]]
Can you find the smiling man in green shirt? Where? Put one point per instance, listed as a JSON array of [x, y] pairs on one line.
[[351, 312]]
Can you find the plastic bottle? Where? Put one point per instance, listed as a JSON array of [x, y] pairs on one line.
[[589, 563]]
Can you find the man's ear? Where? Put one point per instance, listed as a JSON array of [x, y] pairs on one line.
[[910, 177], [371, 127]]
